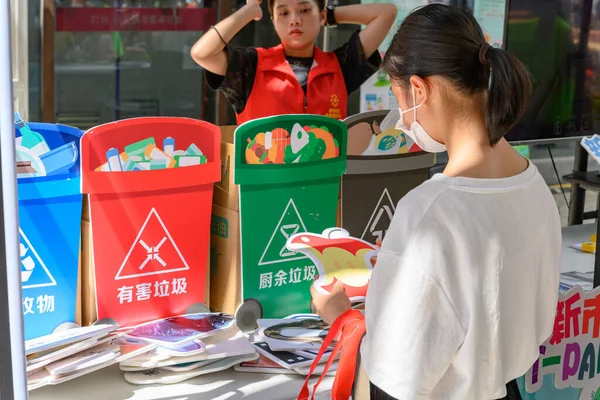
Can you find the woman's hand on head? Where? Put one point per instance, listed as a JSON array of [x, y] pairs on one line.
[[330, 306], [255, 4]]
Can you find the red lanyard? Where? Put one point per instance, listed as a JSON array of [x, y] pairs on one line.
[[350, 327]]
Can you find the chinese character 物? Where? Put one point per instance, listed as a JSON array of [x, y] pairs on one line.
[[161, 289], [266, 280], [143, 291], [280, 278], [179, 286], [125, 294], [45, 304], [295, 275]]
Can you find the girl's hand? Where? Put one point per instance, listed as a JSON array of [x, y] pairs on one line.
[[330, 306], [255, 4]]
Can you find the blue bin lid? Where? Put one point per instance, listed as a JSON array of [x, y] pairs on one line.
[[63, 141]]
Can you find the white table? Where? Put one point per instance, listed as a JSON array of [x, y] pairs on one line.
[[109, 384], [575, 260]]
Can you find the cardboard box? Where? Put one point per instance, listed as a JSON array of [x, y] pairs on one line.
[[226, 193], [87, 284], [225, 257], [88, 288]]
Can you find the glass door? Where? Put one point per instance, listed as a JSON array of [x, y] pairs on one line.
[[116, 59]]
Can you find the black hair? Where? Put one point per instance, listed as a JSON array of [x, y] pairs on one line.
[[447, 41], [320, 4]]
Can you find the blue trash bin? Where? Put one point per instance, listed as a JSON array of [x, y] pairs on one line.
[[50, 231]]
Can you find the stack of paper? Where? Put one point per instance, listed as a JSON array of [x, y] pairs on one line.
[[289, 346], [66, 355], [570, 279], [187, 346]]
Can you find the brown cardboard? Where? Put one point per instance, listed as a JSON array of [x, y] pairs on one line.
[[88, 289], [78, 300], [226, 199], [225, 279], [226, 187]]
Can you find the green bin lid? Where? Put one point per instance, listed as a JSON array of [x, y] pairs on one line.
[[262, 174]]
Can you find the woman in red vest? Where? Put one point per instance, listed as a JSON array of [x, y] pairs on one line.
[[294, 77]]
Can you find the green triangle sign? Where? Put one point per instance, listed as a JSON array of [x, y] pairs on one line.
[[289, 224]]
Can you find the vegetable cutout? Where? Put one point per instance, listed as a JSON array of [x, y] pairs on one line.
[[299, 138], [308, 143]]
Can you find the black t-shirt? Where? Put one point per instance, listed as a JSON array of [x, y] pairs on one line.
[[237, 83]]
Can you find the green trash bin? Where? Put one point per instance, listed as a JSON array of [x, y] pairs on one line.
[[279, 199]]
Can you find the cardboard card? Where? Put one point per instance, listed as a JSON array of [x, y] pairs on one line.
[[181, 350], [83, 360], [129, 351], [182, 328], [227, 344], [338, 257], [318, 369], [65, 338], [263, 365], [123, 355], [292, 334], [38, 377], [51, 380], [44, 358], [187, 366], [312, 354], [162, 376], [303, 316], [284, 358], [126, 368]]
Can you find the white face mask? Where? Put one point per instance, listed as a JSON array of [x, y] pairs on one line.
[[416, 131]]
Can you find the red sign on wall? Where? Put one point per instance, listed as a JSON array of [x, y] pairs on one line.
[[96, 19]]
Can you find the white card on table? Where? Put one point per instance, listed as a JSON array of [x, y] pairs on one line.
[[161, 376], [66, 337]]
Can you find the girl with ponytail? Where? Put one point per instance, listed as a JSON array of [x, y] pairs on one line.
[[465, 286]]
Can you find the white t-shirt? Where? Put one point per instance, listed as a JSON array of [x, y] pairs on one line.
[[465, 288]]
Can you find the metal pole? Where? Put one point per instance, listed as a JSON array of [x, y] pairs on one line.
[[577, 208], [13, 382]]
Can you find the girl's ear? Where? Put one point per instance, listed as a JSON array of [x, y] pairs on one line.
[[323, 17]]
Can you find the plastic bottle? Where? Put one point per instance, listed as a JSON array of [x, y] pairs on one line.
[[30, 139]]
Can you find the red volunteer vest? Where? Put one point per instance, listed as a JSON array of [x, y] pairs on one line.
[[276, 90]]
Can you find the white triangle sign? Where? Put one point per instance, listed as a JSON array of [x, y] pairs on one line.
[[285, 228], [385, 208], [30, 263], [152, 253]]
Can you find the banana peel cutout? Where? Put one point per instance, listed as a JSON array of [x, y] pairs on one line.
[[337, 257]]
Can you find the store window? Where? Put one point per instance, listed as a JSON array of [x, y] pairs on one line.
[[117, 59]]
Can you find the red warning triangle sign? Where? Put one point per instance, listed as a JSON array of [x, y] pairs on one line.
[[153, 251]]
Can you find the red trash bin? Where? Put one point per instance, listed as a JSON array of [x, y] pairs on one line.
[[150, 229]]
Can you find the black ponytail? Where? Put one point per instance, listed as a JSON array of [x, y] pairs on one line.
[[447, 41], [508, 94]]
